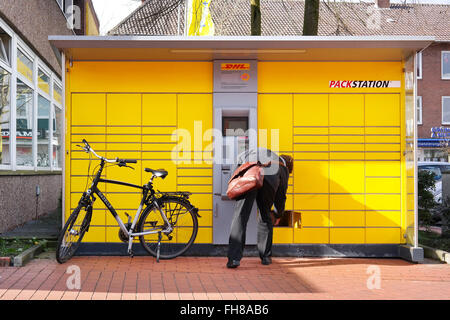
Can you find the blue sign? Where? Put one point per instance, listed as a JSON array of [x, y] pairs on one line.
[[430, 143], [440, 132]]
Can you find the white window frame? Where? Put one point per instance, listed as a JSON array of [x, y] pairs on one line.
[[419, 59], [18, 44], [442, 65], [419, 102], [12, 93], [56, 104], [9, 166], [49, 97], [442, 108], [33, 119], [54, 107], [27, 54]]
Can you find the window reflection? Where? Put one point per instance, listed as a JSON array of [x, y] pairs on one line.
[[43, 81], [24, 65], [57, 137], [24, 129], [43, 132], [57, 94], [446, 65]]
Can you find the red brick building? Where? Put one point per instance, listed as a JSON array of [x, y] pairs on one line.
[[433, 100]]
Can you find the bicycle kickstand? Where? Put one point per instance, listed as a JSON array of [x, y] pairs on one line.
[[130, 248], [159, 246]]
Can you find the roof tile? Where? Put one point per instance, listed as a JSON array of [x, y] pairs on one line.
[[285, 18]]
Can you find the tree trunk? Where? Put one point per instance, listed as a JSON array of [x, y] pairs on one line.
[[311, 19], [256, 18]]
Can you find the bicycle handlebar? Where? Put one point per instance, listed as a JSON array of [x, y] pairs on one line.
[[88, 149], [127, 160]]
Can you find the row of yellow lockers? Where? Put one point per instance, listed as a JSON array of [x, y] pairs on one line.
[[349, 180], [343, 194]]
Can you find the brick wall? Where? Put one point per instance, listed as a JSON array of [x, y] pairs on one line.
[[18, 200], [431, 87]]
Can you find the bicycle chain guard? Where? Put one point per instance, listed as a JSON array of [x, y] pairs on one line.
[[122, 236]]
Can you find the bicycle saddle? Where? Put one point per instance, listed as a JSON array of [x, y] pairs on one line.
[[157, 173]]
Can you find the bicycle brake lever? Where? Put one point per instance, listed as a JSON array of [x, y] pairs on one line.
[[84, 149], [121, 164]]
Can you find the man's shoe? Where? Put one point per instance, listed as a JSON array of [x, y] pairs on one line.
[[233, 263], [266, 261]]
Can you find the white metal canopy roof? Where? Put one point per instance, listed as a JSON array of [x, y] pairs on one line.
[[154, 48]]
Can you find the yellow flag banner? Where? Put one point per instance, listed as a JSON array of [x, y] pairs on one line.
[[199, 18]]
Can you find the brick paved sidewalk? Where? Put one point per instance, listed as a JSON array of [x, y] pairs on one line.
[[207, 278]]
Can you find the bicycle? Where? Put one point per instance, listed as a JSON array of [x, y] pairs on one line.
[[162, 221]]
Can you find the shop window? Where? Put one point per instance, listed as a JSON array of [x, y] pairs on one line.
[[37, 110], [24, 65], [445, 64], [445, 110], [43, 132], [43, 81], [419, 65], [24, 126], [5, 47], [57, 137], [419, 110], [5, 155]]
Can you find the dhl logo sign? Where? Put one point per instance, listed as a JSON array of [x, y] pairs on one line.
[[235, 66]]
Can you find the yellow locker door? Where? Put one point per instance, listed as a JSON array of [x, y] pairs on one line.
[[383, 173], [311, 167], [194, 164], [93, 129], [347, 168], [158, 132], [275, 118], [123, 140]]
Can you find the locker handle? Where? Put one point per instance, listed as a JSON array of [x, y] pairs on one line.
[[216, 210]]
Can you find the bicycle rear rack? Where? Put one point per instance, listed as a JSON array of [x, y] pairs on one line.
[[182, 194]]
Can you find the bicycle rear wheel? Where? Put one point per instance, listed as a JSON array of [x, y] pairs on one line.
[[72, 233], [183, 219]]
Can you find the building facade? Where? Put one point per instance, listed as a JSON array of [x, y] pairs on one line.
[[31, 106], [433, 102]]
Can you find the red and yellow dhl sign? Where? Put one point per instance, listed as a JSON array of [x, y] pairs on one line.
[[235, 66]]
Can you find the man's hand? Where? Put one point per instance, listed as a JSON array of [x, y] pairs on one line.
[[277, 221]]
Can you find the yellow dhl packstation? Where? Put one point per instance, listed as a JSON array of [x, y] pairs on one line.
[[342, 107]]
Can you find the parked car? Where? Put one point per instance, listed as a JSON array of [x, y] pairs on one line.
[[437, 168]]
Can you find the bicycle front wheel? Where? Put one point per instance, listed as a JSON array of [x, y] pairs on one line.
[[183, 219], [72, 233]]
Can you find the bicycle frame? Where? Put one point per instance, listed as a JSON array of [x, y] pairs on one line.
[[145, 191]]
